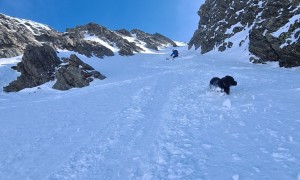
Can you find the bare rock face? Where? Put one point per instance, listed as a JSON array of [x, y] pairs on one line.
[[152, 41], [16, 34], [163, 39], [272, 28], [124, 32], [112, 38], [40, 64], [70, 77], [277, 36], [75, 74], [37, 67]]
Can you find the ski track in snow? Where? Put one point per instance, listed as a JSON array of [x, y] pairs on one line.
[[158, 122]]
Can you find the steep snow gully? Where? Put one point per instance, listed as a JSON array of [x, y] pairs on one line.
[[155, 119]]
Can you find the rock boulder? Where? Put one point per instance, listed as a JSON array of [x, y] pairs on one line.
[[75, 74], [37, 67]]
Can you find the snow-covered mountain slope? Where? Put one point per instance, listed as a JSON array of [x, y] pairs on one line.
[[155, 119], [34, 27], [122, 41], [270, 29], [16, 34]]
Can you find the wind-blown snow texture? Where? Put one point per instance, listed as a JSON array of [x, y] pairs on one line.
[[155, 119]]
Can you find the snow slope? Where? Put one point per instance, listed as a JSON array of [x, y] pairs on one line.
[[156, 119]]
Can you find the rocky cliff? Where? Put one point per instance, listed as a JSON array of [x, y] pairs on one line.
[[37, 67], [269, 30], [16, 34], [40, 64], [89, 40]]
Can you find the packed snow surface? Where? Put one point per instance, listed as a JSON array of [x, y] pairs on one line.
[[154, 118]]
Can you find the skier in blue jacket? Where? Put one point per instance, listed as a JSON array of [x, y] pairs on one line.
[[174, 54]]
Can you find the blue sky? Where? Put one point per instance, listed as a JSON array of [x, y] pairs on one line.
[[176, 19]]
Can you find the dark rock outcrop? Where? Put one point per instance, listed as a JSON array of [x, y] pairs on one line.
[[124, 32], [110, 37], [272, 29], [75, 74], [152, 41], [163, 39], [39, 64], [88, 48], [266, 40], [37, 67], [16, 34]]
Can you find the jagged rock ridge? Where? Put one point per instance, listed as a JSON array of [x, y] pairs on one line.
[[273, 29], [89, 40]]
